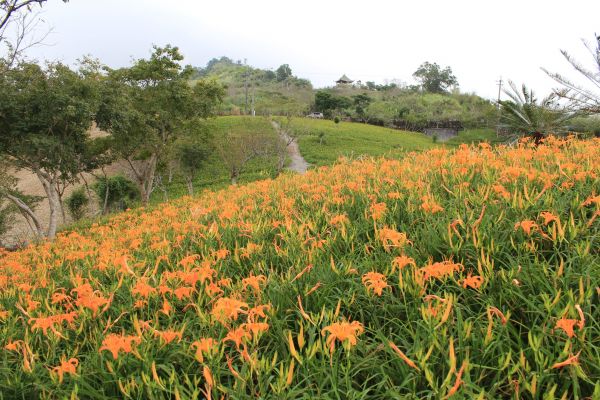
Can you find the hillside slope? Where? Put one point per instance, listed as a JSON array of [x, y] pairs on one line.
[[467, 271]]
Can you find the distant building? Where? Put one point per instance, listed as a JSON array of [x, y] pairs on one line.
[[344, 80]]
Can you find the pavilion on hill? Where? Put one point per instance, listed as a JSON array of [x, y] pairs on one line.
[[344, 80]]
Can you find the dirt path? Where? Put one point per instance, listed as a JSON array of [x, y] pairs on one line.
[[298, 163]]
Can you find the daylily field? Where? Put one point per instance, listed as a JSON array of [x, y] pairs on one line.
[[467, 273]]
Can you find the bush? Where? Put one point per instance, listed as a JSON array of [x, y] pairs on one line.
[[122, 193], [336, 119], [77, 202]]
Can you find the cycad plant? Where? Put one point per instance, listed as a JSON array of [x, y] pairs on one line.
[[584, 98], [523, 114]]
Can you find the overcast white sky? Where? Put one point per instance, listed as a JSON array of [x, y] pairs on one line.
[[321, 40]]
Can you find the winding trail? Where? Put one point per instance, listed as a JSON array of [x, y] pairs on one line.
[[298, 163]]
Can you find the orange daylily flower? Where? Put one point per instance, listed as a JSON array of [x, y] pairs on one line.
[[391, 238], [472, 281], [527, 226], [116, 343], [430, 206], [567, 325], [569, 361], [142, 289], [184, 292], [14, 346], [341, 219], [375, 281], [237, 336], [345, 332], [254, 282], [226, 309], [548, 217], [438, 270], [256, 328], [169, 335], [378, 210], [204, 346], [258, 312], [401, 262], [66, 367]]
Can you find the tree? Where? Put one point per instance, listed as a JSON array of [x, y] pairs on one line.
[[237, 149], [523, 114], [434, 79], [192, 154], [18, 27], [582, 99], [328, 103], [45, 115], [283, 72], [361, 102], [147, 106]]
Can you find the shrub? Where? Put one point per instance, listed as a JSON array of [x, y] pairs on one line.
[[116, 193], [77, 202], [321, 136], [336, 119]]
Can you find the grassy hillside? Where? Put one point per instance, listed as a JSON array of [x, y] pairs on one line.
[[322, 142], [271, 96], [470, 272]]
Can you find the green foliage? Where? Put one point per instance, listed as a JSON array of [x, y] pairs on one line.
[[524, 114], [244, 83], [119, 192], [328, 103], [77, 203], [413, 108], [361, 102], [283, 72], [45, 114], [336, 119], [434, 79], [147, 106], [214, 173], [582, 99]]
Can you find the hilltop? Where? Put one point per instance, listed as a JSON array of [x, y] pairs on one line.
[[268, 92]]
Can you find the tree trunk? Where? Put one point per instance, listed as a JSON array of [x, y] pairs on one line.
[[53, 202], [62, 207], [28, 214], [147, 181], [234, 176], [190, 184]]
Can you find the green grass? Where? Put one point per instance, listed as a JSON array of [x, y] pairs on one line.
[[474, 136], [349, 139]]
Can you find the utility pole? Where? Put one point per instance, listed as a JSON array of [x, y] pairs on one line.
[[252, 108], [499, 83], [246, 87]]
